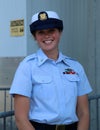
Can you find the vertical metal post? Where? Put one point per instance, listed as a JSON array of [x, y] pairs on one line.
[[4, 109]]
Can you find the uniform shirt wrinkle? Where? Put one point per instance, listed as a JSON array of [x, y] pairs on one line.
[[53, 94]]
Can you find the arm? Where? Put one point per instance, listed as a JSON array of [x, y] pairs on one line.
[[21, 106], [83, 112]]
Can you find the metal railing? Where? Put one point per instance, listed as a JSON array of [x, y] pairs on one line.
[[94, 103], [6, 110]]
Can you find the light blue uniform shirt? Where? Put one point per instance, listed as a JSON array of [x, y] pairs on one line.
[[51, 86]]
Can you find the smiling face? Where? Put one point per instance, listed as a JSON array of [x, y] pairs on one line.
[[48, 39]]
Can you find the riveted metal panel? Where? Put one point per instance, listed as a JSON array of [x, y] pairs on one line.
[[98, 46]]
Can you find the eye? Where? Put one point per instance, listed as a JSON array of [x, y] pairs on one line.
[[40, 32], [51, 30]]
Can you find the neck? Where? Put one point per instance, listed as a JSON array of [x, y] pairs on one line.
[[52, 55]]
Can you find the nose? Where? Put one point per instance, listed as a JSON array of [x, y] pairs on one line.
[[46, 34]]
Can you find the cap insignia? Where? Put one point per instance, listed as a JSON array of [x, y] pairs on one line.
[[43, 16]]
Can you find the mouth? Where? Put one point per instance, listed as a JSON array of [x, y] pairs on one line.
[[48, 41]]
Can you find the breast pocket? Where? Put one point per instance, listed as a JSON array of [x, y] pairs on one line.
[[71, 84], [42, 86]]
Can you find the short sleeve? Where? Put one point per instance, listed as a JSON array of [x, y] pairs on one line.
[[84, 86], [22, 83]]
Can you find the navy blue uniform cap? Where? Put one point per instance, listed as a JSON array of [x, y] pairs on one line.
[[45, 20]]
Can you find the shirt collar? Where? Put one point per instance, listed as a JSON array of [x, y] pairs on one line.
[[42, 58], [63, 58]]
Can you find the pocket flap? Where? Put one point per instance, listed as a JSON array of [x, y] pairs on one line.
[[72, 77], [42, 79]]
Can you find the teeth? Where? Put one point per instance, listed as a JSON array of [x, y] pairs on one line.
[[48, 42]]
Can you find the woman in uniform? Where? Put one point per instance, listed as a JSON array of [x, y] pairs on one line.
[[50, 88]]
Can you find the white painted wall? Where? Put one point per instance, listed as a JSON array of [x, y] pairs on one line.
[[12, 10]]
